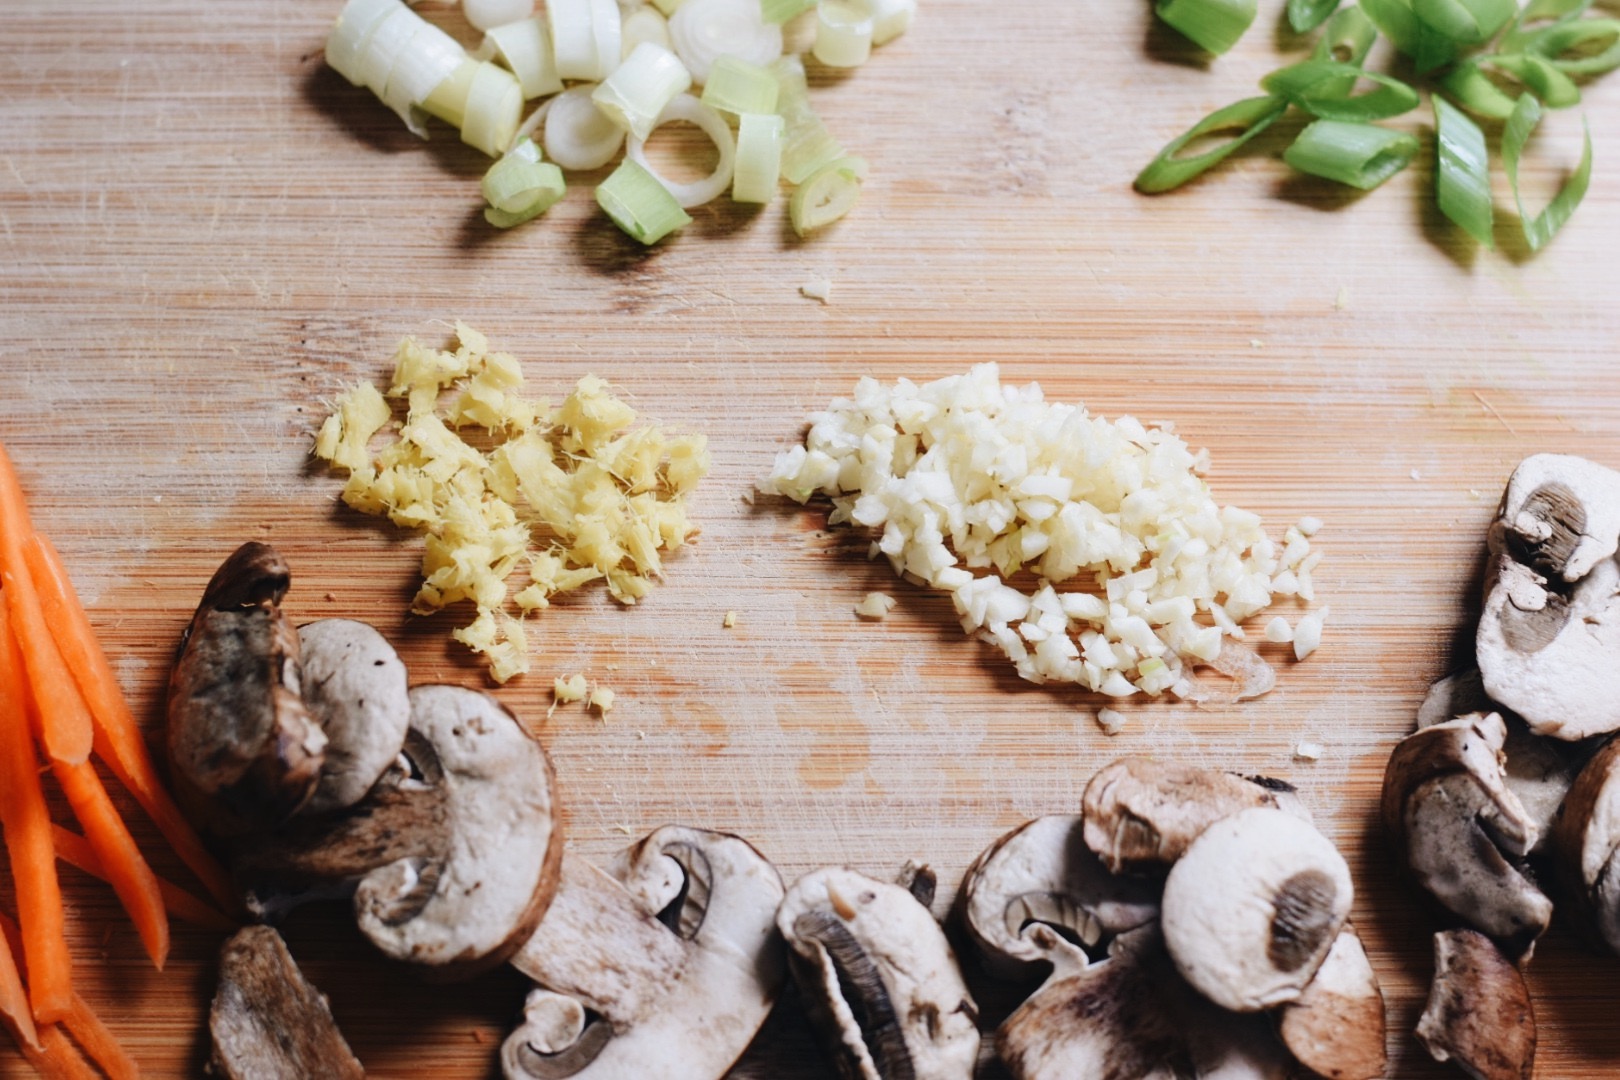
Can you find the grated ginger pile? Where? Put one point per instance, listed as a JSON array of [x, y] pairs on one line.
[[569, 495]]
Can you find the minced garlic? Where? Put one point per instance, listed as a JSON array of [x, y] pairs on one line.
[[562, 496]]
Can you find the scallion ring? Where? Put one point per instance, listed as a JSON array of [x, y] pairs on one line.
[[759, 158], [578, 135], [639, 89], [1463, 176], [1322, 88], [736, 86], [1475, 91], [1428, 47], [711, 123], [1245, 119], [1360, 155], [826, 196], [1348, 37], [639, 204], [1552, 87], [1539, 230], [1587, 47], [890, 18], [644, 24], [1213, 25], [1537, 16], [1306, 15], [487, 14], [843, 33], [520, 187], [781, 11], [704, 30], [1467, 22], [524, 49], [494, 110], [428, 59], [346, 44]]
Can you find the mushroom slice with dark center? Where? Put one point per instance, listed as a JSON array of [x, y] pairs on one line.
[[1141, 814], [664, 970], [1252, 908], [879, 979], [1479, 1013], [1459, 827], [245, 751], [1043, 874], [1586, 838], [1335, 1027], [267, 1021], [356, 689], [1548, 644], [452, 856]]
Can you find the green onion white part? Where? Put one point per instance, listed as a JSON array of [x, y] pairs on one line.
[[890, 19], [429, 58], [711, 123], [808, 145], [578, 135], [487, 14], [826, 196], [584, 37], [781, 11], [346, 44], [759, 158], [494, 109], [520, 187], [639, 204], [736, 86], [705, 30], [644, 24], [843, 33], [640, 88], [524, 49]]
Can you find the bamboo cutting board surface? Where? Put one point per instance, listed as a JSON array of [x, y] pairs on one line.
[[205, 235]]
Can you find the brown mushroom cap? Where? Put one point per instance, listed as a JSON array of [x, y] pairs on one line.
[[355, 687], [1479, 1013], [1335, 1027], [1586, 838], [267, 1021]]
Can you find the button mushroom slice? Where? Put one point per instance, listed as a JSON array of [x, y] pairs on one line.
[[1585, 840], [1335, 1027], [1252, 908], [1479, 1013], [452, 856], [1043, 874], [1548, 644], [664, 971], [1459, 827], [879, 979], [267, 1021], [245, 751], [356, 689], [1141, 814]]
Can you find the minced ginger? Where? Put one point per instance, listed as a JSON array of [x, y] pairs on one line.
[[567, 495]]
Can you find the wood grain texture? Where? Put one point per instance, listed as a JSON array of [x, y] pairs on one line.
[[204, 235]]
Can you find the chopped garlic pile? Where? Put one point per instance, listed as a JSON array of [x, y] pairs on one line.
[[566, 495], [1138, 573]]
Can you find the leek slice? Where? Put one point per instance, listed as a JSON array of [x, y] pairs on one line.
[[736, 86], [1245, 119], [1306, 15], [1555, 89], [639, 204], [843, 34], [487, 14], [578, 135], [1213, 25], [1474, 91], [1539, 230], [1463, 180], [781, 11], [759, 157], [520, 187], [1321, 88], [346, 44], [1361, 155], [704, 30], [694, 112], [640, 88], [1586, 47], [429, 58], [1348, 38], [826, 196], [524, 48], [1536, 16], [494, 109]]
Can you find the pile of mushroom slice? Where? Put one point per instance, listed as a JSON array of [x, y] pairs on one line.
[[1194, 924], [1509, 773]]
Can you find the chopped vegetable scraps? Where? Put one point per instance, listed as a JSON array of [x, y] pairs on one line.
[[563, 496]]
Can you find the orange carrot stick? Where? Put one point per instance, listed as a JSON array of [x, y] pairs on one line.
[[118, 739], [75, 850], [126, 868], [28, 845], [99, 1043], [56, 1056], [58, 1059], [14, 1000], [66, 725]]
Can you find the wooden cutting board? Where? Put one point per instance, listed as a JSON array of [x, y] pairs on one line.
[[205, 235]]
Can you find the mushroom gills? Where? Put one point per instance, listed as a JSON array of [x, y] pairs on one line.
[[1478, 1013]]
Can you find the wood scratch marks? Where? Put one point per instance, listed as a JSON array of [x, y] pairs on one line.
[[1490, 409]]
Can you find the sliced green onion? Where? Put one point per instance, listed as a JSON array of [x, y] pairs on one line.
[[644, 24], [1587, 47], [890, 19], [494, 109], [736, 86], [639, 204], [1361, 155], [809, 147], [1539, 230], [346, 44], [1322, 88], [520, 186], [1245, 119], [487, 14], [1537, 16], [1348, 38], [1306, 15], [694, 112], [1467, 22], [843, 34], [640, 88], [584, 37], [449, 99], [667, 7], [578, 135], [826, 196], [759, 157], [431, 57], [387, 42], [705, 30], [1213, 25], [1477, 92], [1463, 180], [1428, 47], [524, 48], [780, 11], [1555, 89]]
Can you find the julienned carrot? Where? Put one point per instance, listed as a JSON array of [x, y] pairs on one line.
[[56, 1056], [14, 999], [99, 1043], [75, 850], [118, 740], [126, 868], [28, 845], [58, 1059], [65, 722]]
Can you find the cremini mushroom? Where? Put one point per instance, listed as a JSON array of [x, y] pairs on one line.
[[1252, 908], [244, 749], [1461, 830], [663, 970], [1586, 839], [879, 979], [1548, 644], [1479, 1013], [355, 687], [1335, 1027], [267, 1021], [451, 858]]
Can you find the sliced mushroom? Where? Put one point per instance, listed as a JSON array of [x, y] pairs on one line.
[[1479, 1013], [1548, 644], [452, 856], [1335, 1027], [1252, 908], [1586, 838], [356, 689], [664, 971], [244, 749], [1043, 874], [267, 1021], [1141, 814], [1459, 827], [879, 978]]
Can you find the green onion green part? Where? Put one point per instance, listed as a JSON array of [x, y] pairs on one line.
[[1322, 88], [1245, 119], [736, 86], [1348, 38], [1397, 20], [1467, 22], [1463, 178], [1537, 16], [1539, 230], [826, 196], [1306, 15], [1476, 92], [639, 204], [1586, 47], [1360, 155], [780, 11], [1554, 89], [1214, 25]]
